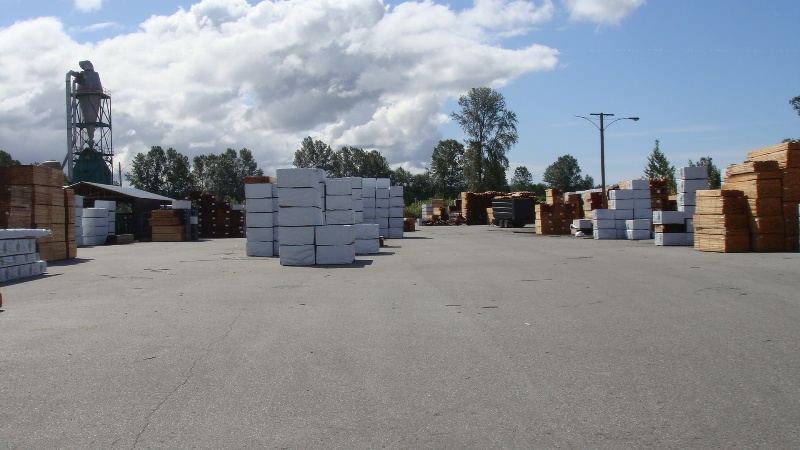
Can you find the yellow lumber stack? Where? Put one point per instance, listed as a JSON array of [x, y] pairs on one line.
[[166, 226], [770, 178], [721, 222], [475, 204], [555, 216]]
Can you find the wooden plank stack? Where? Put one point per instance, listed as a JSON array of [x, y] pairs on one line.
[[659, 194], [475, 204], [555, 216], [770, 179], [166, 226], [591, 201], [721, 222], [34, 197]]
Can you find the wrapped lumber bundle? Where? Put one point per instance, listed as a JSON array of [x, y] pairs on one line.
[[554, 196], [789, 207], [761, 182], [721, 222]]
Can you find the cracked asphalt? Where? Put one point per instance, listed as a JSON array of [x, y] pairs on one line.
[[459, 337]]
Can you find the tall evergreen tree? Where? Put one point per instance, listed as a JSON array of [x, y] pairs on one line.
[[7, 160], [491, 131], [658, 166]]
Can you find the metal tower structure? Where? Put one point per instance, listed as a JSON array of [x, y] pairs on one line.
[[90, 155]]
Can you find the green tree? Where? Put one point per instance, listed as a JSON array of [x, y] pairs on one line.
[[7, 160], [522, 179], [223, 175], [658, 166], [564, 174], [587, 183], [166, 173], [445, 167], [355, 162], [714, 175], [314, 155], [491, 132], [795, 102]]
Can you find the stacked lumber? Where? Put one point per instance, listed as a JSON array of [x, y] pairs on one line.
[[552, 218], [591, 201], [433, 210], [721, 222], [475, 204], [166, 226], [33, 197], [659, 194], [787, 155], [215, 218]]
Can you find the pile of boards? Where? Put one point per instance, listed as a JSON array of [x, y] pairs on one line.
[[557, 213], [33, 197], [18, 256], [757, 208]]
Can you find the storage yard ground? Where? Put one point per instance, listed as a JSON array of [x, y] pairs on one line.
[[455, 337]]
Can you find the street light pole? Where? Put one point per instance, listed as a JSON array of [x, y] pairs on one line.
[[602, 129]]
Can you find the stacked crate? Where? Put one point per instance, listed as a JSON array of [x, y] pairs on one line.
[[671, 228], [553, 217], [166, 226], [18, 257], [690, 180], [396, 212], [787, 155], [339, 201], [382, 186], [260, 218], [761, 182], [111, 207], [301, 194], [721, 222], [94, 223]]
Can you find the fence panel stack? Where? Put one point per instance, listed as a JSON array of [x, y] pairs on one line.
[[721, 222]]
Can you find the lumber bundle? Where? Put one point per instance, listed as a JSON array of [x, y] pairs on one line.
[[217, 219], [786, 154], [33, 197], [591, 201], [166, 226], [761, 179], [721, 222], [659, 195], [474, 205]]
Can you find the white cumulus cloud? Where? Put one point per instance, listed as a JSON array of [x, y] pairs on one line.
[[608, 12], [88, 5], [229, 74]]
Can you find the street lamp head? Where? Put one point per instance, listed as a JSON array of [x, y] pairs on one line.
[[633, 118]]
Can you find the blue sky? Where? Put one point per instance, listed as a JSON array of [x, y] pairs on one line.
[[708, 78]]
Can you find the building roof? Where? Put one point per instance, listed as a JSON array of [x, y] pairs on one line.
[[111, 191]]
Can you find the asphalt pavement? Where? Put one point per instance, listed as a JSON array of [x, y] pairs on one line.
[[454, 337]]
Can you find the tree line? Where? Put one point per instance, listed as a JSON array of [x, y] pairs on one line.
[[169, 173]]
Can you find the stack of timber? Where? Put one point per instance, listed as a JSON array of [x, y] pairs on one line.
[[33, 197], [659, 195], [555, 216], [166, 226], [787, 155], [475, 204], [761, 183], [591, 200], [721, 222], [433, 211]]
